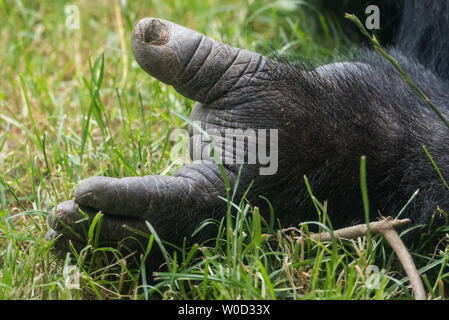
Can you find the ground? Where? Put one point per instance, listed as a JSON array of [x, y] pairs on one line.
[[74, 103]]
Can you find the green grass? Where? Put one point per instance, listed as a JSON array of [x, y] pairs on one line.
[[73, 103]]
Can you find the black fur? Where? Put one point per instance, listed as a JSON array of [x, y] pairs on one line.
[[372, 111], [391, 15], [417, 28]]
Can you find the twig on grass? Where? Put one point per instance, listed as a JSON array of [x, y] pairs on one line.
[[385, 228]]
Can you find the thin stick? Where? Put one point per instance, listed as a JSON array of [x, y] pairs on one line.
[[360, 230], [386, 228]]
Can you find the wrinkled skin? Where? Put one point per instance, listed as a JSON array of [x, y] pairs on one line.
[[326, 119]]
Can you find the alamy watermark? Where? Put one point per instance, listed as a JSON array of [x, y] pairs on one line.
[[72, 20], [372, 274], [230, 146], [71, 276], [373, 19]]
